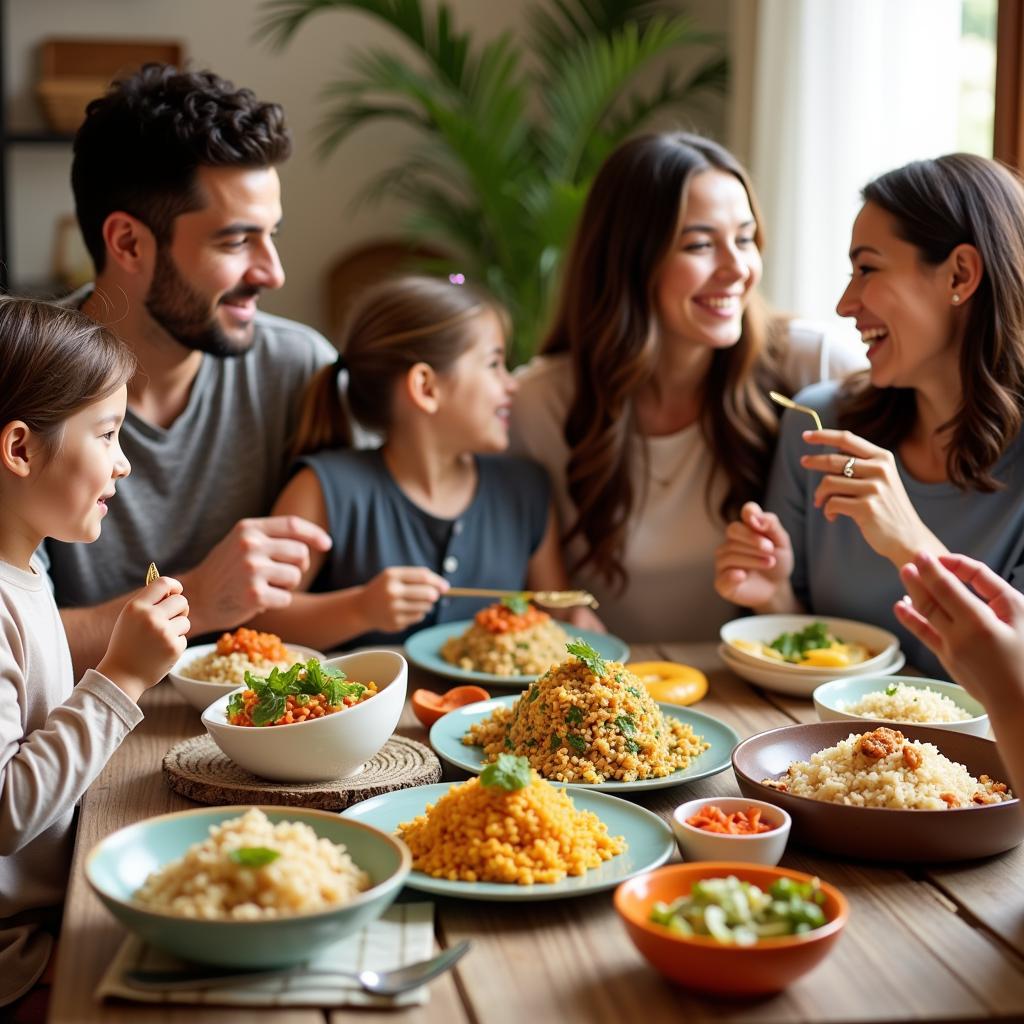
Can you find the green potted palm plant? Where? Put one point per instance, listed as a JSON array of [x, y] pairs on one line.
[[509, 131]]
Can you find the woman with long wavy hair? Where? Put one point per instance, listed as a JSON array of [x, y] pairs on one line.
[[927, 454], [649, 404]]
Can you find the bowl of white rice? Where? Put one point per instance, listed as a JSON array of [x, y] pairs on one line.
[[247, 887], [905, 700], [927, 796]]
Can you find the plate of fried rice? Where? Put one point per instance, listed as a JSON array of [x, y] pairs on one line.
[[446, 737], [453, 819], [885, 793], [470, 643]]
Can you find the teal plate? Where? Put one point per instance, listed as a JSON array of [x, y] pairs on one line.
[[424, 649], [649, 843], [447, 732]]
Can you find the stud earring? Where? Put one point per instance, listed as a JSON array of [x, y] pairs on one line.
[[956, 299]]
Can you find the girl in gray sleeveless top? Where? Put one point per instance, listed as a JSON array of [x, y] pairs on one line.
[[438, 504]]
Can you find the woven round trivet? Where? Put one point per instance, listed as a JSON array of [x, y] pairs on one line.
[[197, 769]]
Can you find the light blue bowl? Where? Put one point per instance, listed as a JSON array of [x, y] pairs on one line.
[[829, 696], [120, 863]]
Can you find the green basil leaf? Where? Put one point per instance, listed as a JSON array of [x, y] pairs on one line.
[[254, 856], [508, 772]]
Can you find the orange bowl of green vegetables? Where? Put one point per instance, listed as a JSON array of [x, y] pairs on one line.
[[729, 928]]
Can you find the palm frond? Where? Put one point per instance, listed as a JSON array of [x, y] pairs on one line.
[[557, 27], [445, 49], [592, 79]]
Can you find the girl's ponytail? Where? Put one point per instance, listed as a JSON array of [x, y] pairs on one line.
[[324, 419]]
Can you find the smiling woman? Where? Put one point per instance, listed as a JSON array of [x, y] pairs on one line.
[[930, 455], [649, 406]]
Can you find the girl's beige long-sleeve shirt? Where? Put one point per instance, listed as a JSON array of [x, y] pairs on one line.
[[55, 738]]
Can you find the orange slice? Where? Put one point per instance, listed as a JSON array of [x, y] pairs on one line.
[[428, 706], [671, 682]]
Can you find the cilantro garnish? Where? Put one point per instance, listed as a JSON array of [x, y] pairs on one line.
[[578, 743], [254, 856], [793, 646], [626, 725], [556, 741], [534, 694], [890, 690], [575, 716], [517, 604], [302, 680], [508, 772], [588, 656]]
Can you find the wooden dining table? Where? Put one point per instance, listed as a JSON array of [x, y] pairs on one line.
[[923, 942]]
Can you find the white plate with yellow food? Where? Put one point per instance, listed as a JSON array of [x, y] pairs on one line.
[[642, 839], [793, 683], [809, 644]]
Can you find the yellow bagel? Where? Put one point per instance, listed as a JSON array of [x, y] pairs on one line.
[[671, 682]]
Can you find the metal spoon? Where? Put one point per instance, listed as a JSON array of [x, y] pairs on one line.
[[382, 983], [545, 598], [790, 404]]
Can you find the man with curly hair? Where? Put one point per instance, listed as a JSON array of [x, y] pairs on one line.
[[178, 198]]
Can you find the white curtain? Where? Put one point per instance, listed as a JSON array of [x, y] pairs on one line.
[[838, 91]]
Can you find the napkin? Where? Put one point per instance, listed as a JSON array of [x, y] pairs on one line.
[[403, 935]]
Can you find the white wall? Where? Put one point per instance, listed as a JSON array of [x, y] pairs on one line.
[[320, 222]]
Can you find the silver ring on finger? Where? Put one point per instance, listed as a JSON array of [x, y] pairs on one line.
[[848, 468]]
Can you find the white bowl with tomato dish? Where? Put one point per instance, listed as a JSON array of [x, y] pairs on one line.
[[293, 736], [731, 828]]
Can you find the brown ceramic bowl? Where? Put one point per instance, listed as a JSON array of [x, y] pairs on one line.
[[879, 833], [707, 965]]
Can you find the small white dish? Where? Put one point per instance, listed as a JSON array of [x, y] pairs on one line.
[[201, 693], [832, 698], [791, 683], [697, 844], [333, 747], [763, 629]]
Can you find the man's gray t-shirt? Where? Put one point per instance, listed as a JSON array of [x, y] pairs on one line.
[[223, 459]]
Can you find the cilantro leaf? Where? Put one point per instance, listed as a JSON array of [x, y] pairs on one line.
[[517, 604], [270, 706], [236, 705], [582, 650], [578, 743], [575, 716], [626, 725], [556, 741], [890, 690], [508, 772], [254, 856], [793, 646], [534, 694]]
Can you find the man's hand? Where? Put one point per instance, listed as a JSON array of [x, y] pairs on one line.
[[254, 568]]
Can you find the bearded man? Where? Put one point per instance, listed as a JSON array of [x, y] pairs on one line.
[[178, 199]]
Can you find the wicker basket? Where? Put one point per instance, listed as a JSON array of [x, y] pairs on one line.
[[74, 71]]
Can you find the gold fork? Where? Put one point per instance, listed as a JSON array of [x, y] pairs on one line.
[[546, 598], [152, 573], [790, 404]]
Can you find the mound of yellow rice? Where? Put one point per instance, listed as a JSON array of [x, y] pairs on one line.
[[480, 833], [575, 724]]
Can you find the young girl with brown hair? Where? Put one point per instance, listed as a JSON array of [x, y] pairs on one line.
[[649, 406], [438, 504], [62, 400]]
